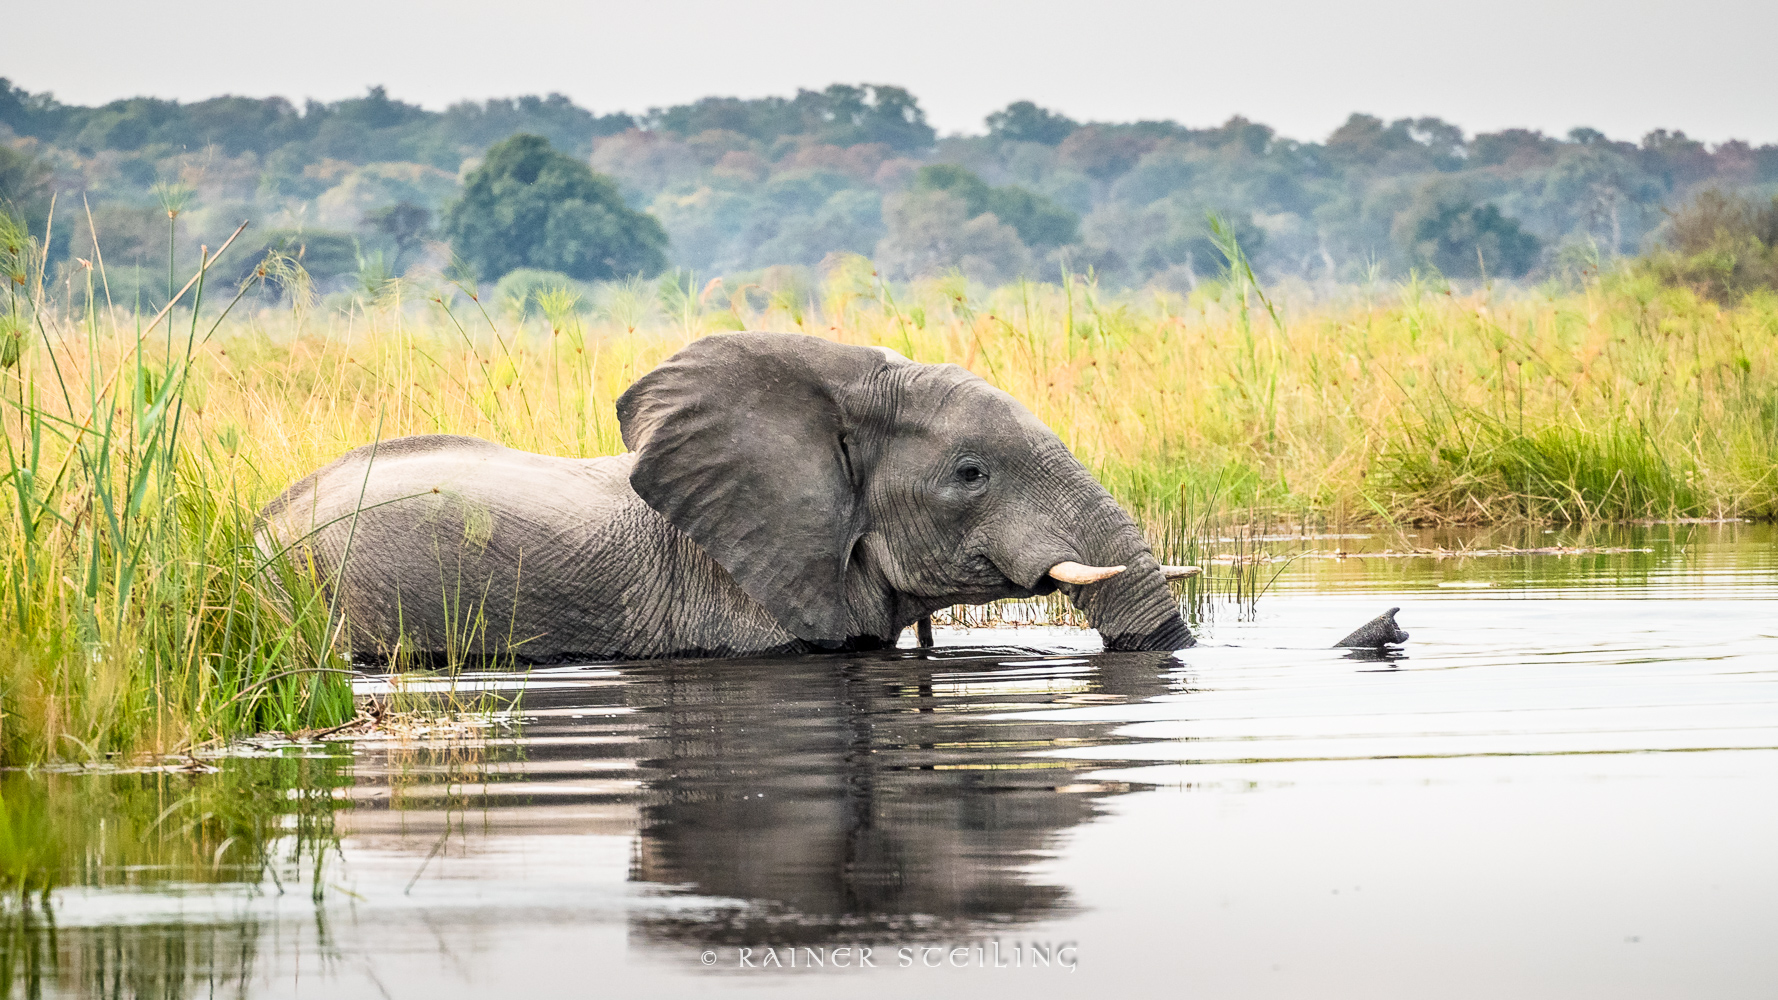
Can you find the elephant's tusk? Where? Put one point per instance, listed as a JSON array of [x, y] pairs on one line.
[[1073, 572], [1180, 572]]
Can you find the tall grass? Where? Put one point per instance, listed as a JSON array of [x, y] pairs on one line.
[[1622, 399], [133, 610], [131, 594]]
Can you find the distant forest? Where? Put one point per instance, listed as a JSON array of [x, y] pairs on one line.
[[744, 185]]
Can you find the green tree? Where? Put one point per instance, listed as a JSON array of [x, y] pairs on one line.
[[1462, 240], [763, 118], [1023, 121], [1039, 221], [931, 232], [24, 186], [23, 177], [870, 112], [1406, 145], [468, 125], [404, 224], [960, 181], [530, 206], [1722, 244], [1105, 152]]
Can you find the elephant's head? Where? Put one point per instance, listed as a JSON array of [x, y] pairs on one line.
[[850, 491]]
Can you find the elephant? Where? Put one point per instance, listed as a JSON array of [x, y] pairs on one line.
[[781, 493]]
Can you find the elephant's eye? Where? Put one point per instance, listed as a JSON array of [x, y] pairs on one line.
[[971, 474]]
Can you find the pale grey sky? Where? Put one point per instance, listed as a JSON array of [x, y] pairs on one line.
[[1705, 66]]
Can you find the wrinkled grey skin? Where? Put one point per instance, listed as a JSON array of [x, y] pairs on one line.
[[782, 493]]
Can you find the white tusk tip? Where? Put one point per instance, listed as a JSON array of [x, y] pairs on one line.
[[1180, 572], [1077, 573]]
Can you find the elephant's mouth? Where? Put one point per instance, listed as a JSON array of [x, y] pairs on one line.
[[981, 579]]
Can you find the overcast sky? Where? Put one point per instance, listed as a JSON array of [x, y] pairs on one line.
[[1624, 67]]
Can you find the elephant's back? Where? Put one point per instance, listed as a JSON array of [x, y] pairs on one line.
[[470, 468], [405, 507], [439, 537], [362, 458]]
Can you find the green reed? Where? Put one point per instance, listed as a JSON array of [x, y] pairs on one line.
[[134, 610]]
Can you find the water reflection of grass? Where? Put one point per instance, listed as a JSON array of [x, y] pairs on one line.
[[1579, 556], [265, 824], [251, 820], [160, 961], [131, 593]]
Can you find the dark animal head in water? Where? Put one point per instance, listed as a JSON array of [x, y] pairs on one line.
[[1375, 634]]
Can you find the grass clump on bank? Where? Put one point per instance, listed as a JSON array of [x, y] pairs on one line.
[[133, 610]]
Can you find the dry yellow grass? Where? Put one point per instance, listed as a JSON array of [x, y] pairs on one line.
[[1618, 401]]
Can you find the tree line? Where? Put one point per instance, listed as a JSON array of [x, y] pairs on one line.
[[729, 185]]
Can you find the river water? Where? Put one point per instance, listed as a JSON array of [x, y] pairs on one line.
[[1566, 785]]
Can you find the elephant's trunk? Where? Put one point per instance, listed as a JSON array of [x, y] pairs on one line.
[[1135, 609], [1095, 554]]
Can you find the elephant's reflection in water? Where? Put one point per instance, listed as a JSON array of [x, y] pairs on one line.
[[875, 796]]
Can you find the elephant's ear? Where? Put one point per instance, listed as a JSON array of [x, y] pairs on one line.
[[741, 444]]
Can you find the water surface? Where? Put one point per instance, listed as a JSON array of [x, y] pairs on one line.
[[1564, 787]]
